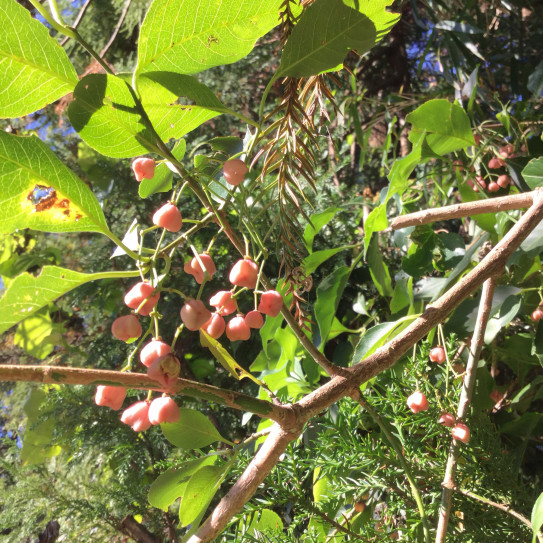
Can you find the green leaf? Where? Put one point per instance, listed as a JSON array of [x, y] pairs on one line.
[[171, 484], [193, 430], [162, 180], [37, 435], [40, 192], [33, 333], [319, 43], [107, 116], [537, 516], [224, 357], [188, 36], [322, 486], [200, 490], [34, 69], [317, 222], [328, 295], [376, 221], [447, 126], [533, 173], [375, 337], [265, 521], [26, 293], [159, 92], [378, 269], [314, 260]]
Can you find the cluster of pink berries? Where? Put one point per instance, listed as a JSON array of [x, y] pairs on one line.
[[537, 315], [244, 273], [418, 402]]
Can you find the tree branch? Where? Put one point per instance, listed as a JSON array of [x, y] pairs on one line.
[[492, 205], [468, 384], [81, 376]]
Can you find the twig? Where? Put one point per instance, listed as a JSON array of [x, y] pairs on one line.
[[117, 28], [502, 507], [77, 21], [492, 205], [477, 341], [81, 376]]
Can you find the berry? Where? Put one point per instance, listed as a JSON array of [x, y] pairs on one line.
[[461, 432], [195, 268], [271, 303], [359, 507], [447, 419], [477, 138], [138, 293], [222, 301], [494, 163], [537, 315], [437, 354], [126, 327], [153, 350], [165, 370], [144, 168], [168, 217], [503, 181], [215, 326], [244, 273], [507, 151], [496, 396], [237, 329], [137, 416], [417, 402], [195, 314], [163, 409], [110, 396], [234, 171], [493, 187], [254, 319], [479, 180]]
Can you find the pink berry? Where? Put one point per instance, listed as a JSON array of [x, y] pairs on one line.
[[144, 168], [496, 396], [110, 396], [165, 370], [503, 181], [417, 402], [437, 354], [168, 217], [195, 268], [479, 180], [254, 319], [494, 163], [137, 416], [461, 432], [126, 327], [195, 314], [447, 419], [222, 301], [507, 150], [477, 138], [237, 329], [271, 303], [537, 315], [153, 350], [244, 273], [234, 171], [138, 293], [493, 187], [215, 326], [163, 409]]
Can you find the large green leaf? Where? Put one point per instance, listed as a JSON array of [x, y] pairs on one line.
[[40, 192], [200, 490], [26, 293], [325, 33], [446, 125], [533, 173], [328, 295], [193, 430], [265, 521], [159, 93], [537, 516], [33, 335], [34, 69], [171, 484], [188, 36], [108, 117], [317, 222]]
